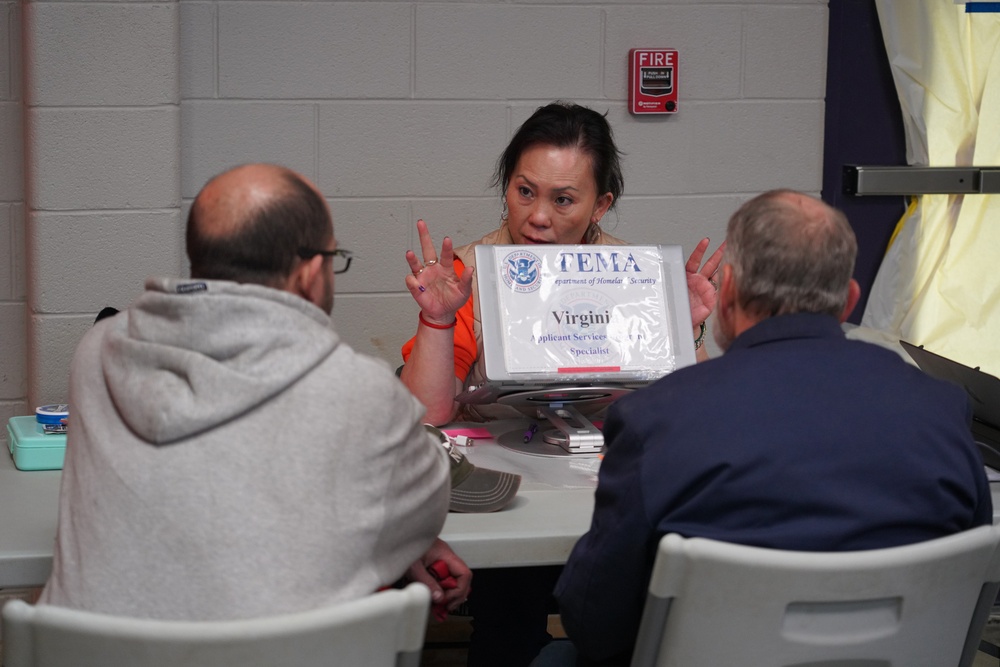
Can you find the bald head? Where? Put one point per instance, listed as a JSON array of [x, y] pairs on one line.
[[790, 253], [231, 198], [248, 223]]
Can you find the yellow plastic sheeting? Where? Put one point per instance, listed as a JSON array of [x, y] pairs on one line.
[[939, 284]]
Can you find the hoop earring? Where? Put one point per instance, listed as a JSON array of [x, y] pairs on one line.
[[504, 213]]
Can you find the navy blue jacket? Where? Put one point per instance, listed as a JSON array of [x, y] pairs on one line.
[[796, 438]]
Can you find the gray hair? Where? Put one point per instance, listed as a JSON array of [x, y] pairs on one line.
[[790, 258]]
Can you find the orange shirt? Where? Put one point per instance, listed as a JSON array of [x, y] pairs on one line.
[[466, 349]]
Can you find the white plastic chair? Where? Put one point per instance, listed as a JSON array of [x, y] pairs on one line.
[[385, 629], [715, 604]]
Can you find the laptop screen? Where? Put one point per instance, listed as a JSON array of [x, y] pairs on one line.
[[582, 315], [984, 395]]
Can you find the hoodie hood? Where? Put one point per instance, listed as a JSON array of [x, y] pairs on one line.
[[189, 355]]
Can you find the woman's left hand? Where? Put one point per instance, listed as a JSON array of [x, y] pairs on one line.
[[433, 283], [702, 292]]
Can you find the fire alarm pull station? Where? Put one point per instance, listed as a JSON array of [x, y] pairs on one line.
[[652, 81]]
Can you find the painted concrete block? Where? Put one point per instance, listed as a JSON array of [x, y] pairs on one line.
[[88, 261], [13, 361], [724, 147], [55, 338], [197, 50], [376, 325], [612, 3], [785, 52], [508, 51], [10, 50], [218, 135], [16, 57], [105, 158], [708, 40], [411, 149], [11, 152], [745, 3], [18, 255], [104, 53], [6, 253], [328, 50], [8, 409], [675, 220], [463, 219], [6, 67], [377, 232]]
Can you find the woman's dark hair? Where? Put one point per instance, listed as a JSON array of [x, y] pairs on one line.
[[264, 247], [565, 125]]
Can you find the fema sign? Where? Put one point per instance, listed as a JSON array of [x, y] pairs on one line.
[[585, 309]]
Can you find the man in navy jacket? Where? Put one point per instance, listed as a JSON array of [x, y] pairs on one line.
[[796, 438]]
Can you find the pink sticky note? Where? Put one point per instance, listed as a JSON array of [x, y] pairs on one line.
[[474, 433]]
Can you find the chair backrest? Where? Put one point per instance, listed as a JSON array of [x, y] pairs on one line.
[[385, 629], [713, 603]]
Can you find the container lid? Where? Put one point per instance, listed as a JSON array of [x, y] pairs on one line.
[[51, 414]]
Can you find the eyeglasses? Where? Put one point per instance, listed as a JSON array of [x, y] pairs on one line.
[[341, 258]]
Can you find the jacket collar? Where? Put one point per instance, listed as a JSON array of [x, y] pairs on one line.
[[785, 327]]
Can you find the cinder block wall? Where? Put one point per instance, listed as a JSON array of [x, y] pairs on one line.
[[397, 110], [13, 289], [102, 108]]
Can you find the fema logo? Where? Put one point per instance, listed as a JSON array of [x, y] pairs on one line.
[[522, 271]]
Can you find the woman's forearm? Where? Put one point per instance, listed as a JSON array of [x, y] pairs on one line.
[[429, 373]]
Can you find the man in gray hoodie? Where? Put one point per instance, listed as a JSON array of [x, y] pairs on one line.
[[228, 455]]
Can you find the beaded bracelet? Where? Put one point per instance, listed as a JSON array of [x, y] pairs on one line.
[[436, 326], [699, 341]]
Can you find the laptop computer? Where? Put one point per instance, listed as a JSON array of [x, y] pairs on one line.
[[570, 328], [984, 394]]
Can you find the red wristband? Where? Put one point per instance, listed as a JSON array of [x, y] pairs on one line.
[[436, 326]]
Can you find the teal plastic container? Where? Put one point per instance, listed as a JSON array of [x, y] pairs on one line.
[[31, 448]]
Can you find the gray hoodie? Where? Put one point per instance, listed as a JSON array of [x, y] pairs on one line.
[[229, 457]]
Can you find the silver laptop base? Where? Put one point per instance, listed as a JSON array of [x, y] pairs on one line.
[[573, 432]]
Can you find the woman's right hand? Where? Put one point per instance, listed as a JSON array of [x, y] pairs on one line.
[[433, 283]]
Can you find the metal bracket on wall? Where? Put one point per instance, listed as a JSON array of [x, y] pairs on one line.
[[860, 181]]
